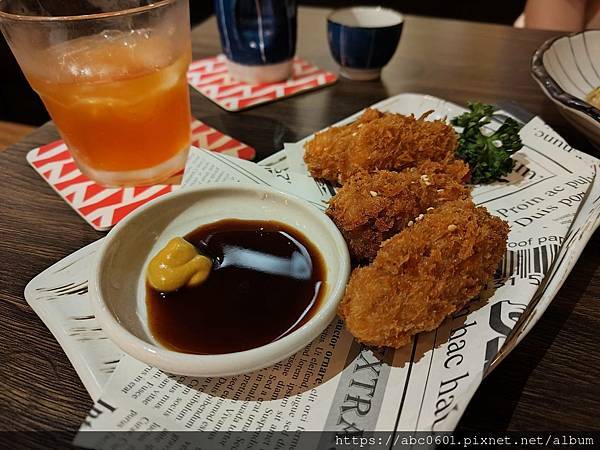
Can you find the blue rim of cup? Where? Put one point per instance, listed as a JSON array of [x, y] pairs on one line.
[[372, 8]]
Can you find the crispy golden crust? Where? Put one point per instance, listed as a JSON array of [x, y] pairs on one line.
[[378, 141], [424, 274], [371, 208]]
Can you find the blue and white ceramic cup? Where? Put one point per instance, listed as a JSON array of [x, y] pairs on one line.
[[363, 39], [258, 38]]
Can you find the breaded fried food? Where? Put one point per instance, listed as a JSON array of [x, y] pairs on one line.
[[424, 274], [371, 208], [378, 141]]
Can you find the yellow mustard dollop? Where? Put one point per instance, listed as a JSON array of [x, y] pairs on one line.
[[178, 265]]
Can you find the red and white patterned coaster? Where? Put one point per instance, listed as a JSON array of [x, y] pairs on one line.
[[209, 77], [103, 207]]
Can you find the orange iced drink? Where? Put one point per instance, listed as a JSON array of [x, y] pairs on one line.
[[120, 101]]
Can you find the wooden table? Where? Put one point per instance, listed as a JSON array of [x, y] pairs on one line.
[[12, 132], [548, 383]]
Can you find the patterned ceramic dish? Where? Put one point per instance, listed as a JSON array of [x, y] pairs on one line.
[[567, 68]]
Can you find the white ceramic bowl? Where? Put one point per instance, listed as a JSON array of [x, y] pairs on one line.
[[567, 68], [117, 283]]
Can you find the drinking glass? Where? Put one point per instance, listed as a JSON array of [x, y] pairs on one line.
[[112, 75]]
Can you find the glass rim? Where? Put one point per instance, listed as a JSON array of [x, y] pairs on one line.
[[101, 15]]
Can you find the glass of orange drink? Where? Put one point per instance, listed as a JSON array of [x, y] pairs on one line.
[[112, 75]]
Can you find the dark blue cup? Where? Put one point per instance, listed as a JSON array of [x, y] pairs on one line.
[[258, 37], [363, 39]]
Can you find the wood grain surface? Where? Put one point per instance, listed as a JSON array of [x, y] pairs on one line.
[[548, 383], [10, 133]]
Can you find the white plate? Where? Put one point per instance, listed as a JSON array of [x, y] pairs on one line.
[[118, 281]]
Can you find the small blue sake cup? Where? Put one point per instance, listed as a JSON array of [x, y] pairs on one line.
[[363, 39]]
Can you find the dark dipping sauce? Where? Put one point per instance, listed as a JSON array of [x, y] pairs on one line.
[[267, 280]]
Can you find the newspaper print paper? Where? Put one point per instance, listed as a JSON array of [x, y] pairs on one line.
[[424, 386], [58, 295]]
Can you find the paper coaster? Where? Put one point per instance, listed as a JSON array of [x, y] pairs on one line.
[[103, 207], [209, 77]]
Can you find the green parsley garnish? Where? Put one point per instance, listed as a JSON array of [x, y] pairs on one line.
[[488, 153]]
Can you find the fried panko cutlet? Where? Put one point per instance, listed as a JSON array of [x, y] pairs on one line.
[[424, 274], [371, 208], [378, 141]]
